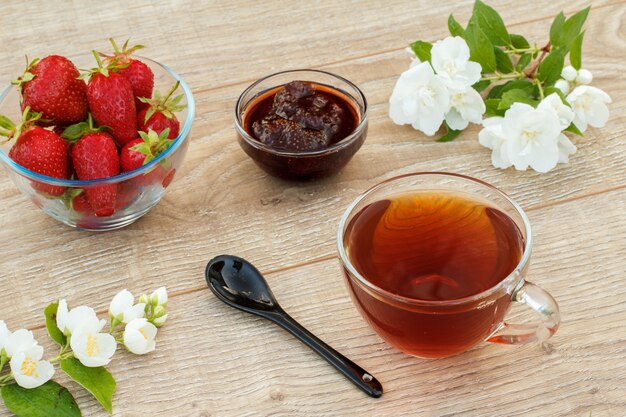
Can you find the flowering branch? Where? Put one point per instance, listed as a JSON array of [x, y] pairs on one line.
[[84, 351], [530, 96]]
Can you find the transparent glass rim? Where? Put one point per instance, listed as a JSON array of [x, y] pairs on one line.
[[507, 281], [337, 146], [182, 136]]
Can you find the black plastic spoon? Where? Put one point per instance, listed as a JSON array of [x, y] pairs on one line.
[[239, 284]]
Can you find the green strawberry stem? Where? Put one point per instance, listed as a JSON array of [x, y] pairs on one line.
[[26, 75], [125, 50], [153, 145], [9, 130], [76, 131], [166, 105]]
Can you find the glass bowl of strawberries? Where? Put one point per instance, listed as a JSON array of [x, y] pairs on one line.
[[95, 149]]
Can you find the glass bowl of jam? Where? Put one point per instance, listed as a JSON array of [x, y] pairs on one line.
[[301, 124]]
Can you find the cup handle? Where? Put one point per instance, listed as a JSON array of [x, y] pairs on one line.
[[546, 308]]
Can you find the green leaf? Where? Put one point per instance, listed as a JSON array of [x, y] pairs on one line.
[[555, 29], [450, 134], [572, 27], [550, 69], [481, 49], [491, 23], [98, 381], [523, 61], [51, 324], [518, 41], [422, 50], [492, 109], [481, 85], [573, 129], [48, 400], [497, 91], [516, 96], [454, 27], [503, 61], [576, 51]]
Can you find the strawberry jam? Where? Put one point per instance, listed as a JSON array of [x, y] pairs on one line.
[[303, 124]]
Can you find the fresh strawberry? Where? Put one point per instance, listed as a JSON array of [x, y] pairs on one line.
[[159, 115], [80, 204], [52, 87], [137, 72], [112, 103], [37, 149], [139, 75], [144, 149], [95, 156]]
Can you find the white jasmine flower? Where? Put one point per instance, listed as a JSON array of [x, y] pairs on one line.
[[491, 137], [562, 85], [466, 105], [91, 347], [569, 73], [28, 369], [139, 336], [122, 308], [69, 320], [584, 77], [531, 137], [554, 104], [22, 340], [566, 148], [450, 59], [4, 334], [419, 98], [590, 106], [62, 312], [159, 297]]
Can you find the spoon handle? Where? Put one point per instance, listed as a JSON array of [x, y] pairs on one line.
[[359, 376]]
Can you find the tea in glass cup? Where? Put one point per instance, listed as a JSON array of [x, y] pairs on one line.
[[434, 260]]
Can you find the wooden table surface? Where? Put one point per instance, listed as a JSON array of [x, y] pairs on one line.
[[214, 361]]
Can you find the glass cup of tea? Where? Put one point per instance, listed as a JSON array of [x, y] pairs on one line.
[[433, 262]]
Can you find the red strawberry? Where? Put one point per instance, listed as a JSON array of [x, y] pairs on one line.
[[80, 204], [168, 178], [138, 73], [112, 103], [52, 87], [144, 149], [95, 156], [37, 149], [159, 115]]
